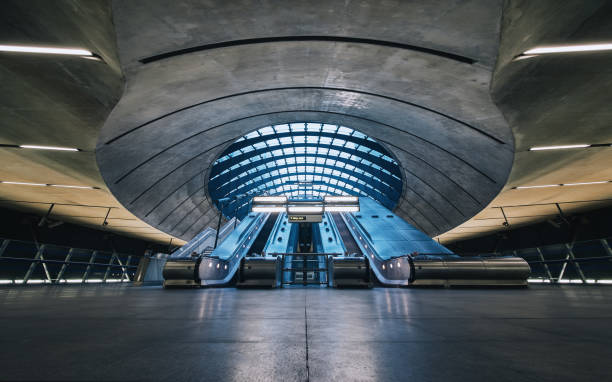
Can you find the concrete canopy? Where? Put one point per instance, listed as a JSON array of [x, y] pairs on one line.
[[415, 75], [222, 71]]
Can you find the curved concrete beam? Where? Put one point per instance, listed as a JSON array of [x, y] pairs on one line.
[[468, 28]]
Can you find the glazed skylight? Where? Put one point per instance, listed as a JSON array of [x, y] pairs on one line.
[[304, 160]]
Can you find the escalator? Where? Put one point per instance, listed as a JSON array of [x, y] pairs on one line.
[[352, 270], [257, 269], [221, 266], [343, 250], [398, 254], [262, 238], [349, 242]]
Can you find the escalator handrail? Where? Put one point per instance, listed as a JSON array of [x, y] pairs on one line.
[[373, 258]]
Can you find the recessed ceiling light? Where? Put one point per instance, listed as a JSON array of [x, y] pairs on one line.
[[542, 186], [523, 57], [585, 183], [49, 185], [580, 146], [568, 48], [48, 148], [69, 186], [44, 50], [564, 184], [24, 183]]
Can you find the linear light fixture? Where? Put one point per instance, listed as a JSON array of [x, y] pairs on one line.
[[540, 148], [69, 186], [24, 183], [268, 209], [270, 199], [586, 183], [310, 209], [37, 147], [341, 208], [45, 50], [524, 57], [334, 199], [568, 48], [563, 184], [48, 185], [540, 186]]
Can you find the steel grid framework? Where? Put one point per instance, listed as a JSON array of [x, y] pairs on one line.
[[304, 160]]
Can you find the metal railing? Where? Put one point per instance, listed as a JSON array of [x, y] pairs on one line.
[[300, 267], [23, 262], [581, 262]]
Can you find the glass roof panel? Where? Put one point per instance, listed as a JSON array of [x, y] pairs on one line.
[[306, 159]]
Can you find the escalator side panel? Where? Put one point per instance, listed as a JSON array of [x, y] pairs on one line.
[[257, 269], [283, 238], [262, 237], [327, 237], [221, 266]]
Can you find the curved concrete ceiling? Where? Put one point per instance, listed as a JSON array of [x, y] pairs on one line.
[[59, 100], [411, 91], [558, 99], [415, 75]]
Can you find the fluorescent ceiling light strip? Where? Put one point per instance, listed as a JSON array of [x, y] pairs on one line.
[[585, 183], [268, 209], [341, 208], [565, 184], [568, 48], [47, 185], [542, 186], [540, 148], [68, 186], [44, 50], [341, 198], [299, 209], [523, 57], [24, 183], [48, 148], [269, 199]]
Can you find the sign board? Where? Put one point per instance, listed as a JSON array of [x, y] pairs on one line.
[[305, 218]]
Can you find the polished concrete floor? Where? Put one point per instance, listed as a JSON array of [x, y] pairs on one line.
[[127, 333]]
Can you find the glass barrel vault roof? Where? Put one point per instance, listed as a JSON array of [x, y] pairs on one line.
[[303, 160]]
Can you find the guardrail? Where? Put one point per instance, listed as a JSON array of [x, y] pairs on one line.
[[54, 264]]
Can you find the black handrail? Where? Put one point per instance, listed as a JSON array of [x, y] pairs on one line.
[[576, 260], [65, 262]]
